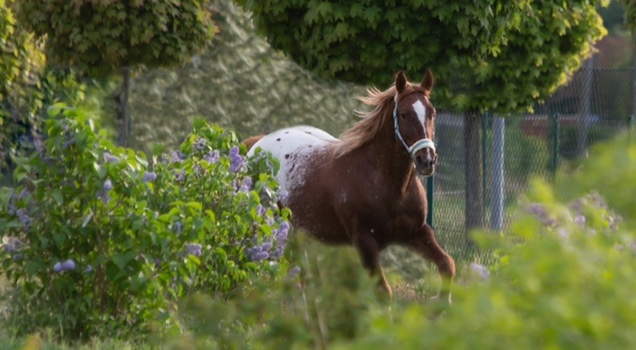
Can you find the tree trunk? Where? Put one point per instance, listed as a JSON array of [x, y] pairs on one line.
[[125, 121], [474, 210]]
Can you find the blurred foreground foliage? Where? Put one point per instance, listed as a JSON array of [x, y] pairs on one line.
[[563, 279]]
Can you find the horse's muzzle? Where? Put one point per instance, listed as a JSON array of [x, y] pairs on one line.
[[425, 161]]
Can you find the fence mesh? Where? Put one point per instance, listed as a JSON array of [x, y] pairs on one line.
[[594, 107]]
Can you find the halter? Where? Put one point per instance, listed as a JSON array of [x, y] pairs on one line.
[[418, 145]]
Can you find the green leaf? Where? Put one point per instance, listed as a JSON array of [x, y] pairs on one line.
[[58, 196], [121, 260]]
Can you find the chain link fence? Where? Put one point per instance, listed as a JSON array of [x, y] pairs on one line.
[[594, 107]]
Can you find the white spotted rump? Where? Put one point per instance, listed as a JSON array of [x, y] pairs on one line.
[[291, 146]]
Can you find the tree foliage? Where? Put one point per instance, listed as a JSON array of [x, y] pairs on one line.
[[26, 84], [103, 36], [630, 13], [497, 55]]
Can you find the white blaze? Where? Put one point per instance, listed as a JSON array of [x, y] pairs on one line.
[[419, 108]]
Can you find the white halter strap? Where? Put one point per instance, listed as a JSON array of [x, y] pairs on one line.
[[418, 145]]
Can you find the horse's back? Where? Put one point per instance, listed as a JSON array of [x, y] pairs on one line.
[[293, 146]]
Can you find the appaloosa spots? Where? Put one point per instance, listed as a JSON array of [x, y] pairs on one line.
[[298, 146]]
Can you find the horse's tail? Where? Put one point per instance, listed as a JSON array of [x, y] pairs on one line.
[[250, 141]]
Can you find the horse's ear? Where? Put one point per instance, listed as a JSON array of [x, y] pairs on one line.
[[400, 81], [427, 82]]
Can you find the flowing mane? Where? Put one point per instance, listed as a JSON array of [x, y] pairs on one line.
[[371, 124]]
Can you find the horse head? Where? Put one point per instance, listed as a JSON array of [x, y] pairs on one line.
[[414, 121]]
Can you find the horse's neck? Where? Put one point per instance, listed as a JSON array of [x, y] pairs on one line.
[[394, 161]]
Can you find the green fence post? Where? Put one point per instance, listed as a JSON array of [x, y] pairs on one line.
[[430, 186], [554, 131], [484, 166]]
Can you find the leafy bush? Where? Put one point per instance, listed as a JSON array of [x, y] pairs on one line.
[[327, 296], [564, 278], [100, 243]]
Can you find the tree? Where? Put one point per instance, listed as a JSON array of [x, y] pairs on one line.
[[488, 55], [105, 37], [21, 64]]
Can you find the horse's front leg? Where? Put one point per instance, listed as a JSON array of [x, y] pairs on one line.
[[369, 252], [425, 243]]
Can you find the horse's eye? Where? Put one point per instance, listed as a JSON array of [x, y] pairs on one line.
[[403, 115]]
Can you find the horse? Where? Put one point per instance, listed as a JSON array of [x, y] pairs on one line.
[[363, 189]]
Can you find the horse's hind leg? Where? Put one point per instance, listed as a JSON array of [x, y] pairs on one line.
[[426, 245], [370, 256]]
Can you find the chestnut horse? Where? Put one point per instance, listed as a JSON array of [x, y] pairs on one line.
[[363, 189]]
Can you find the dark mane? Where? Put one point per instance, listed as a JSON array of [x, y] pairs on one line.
[[371, 124]]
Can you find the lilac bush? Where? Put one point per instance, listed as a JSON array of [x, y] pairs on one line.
[[103, 241]]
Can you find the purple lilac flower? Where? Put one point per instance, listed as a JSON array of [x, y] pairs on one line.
[[108, 185], [282, 195], [23, 194], [580, 220], [24, 217], [236, 160], [104, 196], [9, 248], [68, 265], [39, 145], [180, 176], [150, 176], [57, 267], [200, 144], [542, 214], [109, 158], [177, 156], [260, 210], [480, 271], [12, 247], [256, 253], [12, 208], [261, 256], [278, 252], [293, 272], [177, 227], [193, 249], [283, 232], [212, 157], [246, 185], [266, 246]]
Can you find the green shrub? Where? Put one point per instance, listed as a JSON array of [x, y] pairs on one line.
[[326, 297], [97, 242], [564, 277]]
